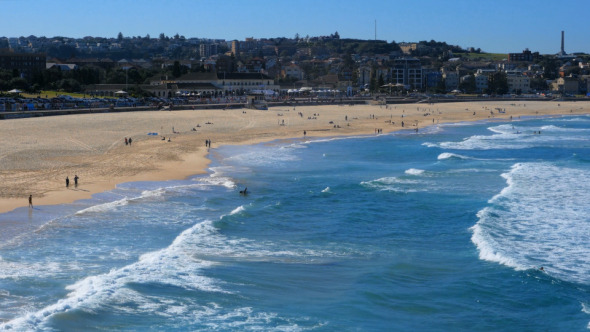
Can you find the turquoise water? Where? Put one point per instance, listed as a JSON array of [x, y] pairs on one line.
[[444, 230]]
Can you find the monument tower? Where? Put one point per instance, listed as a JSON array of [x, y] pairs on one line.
[[562, 52]]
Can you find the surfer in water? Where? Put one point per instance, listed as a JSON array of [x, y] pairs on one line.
[[244, 192]]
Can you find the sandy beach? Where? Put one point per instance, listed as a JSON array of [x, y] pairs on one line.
[[38, 154]]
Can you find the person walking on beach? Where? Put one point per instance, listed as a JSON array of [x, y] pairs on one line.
[[67, 182], [126, 141], [76, 180], [31, 201]]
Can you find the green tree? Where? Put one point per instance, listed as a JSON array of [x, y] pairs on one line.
[[380, 82], [550, 67], [539, 84], [441, 87], [373, 83], [468, 84], [498, 83], [176, 71], [19, 83], [68, 85]]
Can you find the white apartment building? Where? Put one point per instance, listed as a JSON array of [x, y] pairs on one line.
[[481, 82]]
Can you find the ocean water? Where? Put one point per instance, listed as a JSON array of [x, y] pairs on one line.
[[441, 230]]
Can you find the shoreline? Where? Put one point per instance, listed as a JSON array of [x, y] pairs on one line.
[[38, 153]]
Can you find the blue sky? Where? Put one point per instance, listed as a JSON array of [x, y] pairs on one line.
[[500, 26]]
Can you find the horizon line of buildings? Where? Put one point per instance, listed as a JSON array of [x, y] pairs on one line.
[[397, 68]]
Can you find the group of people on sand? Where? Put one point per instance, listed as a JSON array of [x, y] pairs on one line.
[[76, 178], [128, 141]]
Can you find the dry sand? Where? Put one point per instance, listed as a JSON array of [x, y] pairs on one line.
[[37, 154]]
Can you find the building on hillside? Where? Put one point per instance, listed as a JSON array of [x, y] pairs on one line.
[[292, 71], [61, 66], [518, 84], [481, 82], [254, 65], [25, 63], [432, 77], [451, 79], [407, 71], [525, 56], [235, 47], [105, 63], [384, 73], [407, 48], [329, 81], [566, 85], [364, 76], [207, 50]]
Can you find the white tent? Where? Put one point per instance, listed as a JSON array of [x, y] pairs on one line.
[[14, 91]]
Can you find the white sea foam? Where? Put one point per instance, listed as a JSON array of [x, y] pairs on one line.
[[326, 190], [431, 145], [573, 119], [259, 156], [217, 180], [414, 171], [539, 219], [503, 129], [18, 269], [448, 155], [154, 193], [396, 184], [109, 206], [556, 129], [174, 265], [237, 210], [178, 265]]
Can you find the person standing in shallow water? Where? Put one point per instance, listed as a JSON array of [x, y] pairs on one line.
[[31, 201]]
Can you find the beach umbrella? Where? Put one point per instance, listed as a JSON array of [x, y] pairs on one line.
[[120, 92], [14, 91]]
